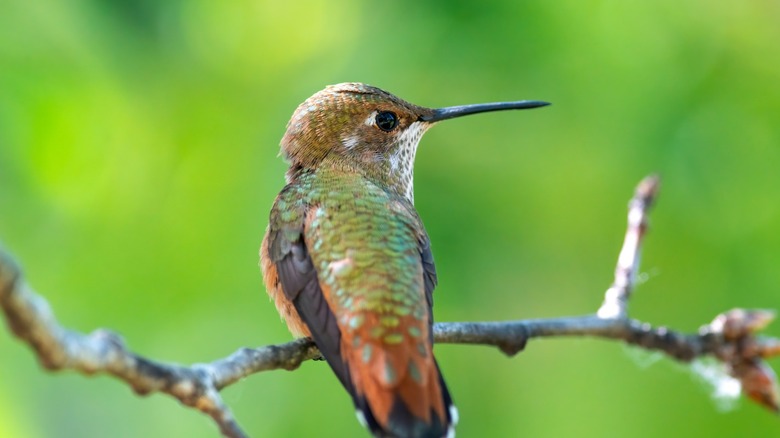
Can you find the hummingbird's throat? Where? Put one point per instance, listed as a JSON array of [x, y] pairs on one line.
[[401, 160]]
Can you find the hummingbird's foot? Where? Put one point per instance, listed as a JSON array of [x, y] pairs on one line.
[[319, 355]]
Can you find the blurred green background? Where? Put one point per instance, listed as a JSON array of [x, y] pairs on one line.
[[138, 162]]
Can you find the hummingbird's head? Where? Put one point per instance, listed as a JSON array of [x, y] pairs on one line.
[[361, 127]]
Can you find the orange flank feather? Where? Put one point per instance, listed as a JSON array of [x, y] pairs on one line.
[[284, 306]]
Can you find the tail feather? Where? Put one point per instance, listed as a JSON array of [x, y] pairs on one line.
[[402, 423]]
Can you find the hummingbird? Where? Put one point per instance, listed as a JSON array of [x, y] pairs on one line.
[[346, 258]]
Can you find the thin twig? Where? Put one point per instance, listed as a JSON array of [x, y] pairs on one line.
[[730, 338], [616, 299]]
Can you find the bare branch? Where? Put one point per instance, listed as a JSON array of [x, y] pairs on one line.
[[616, 299], [730, 337], [510, 336], [31, 319]]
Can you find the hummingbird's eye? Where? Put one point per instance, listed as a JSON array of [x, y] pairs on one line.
[[386, 120]]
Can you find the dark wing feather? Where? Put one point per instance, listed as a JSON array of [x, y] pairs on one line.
[[429, 277], [429, 269], [431, 280], [301, 286]]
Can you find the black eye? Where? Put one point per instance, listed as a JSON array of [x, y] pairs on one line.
[[386, 121]]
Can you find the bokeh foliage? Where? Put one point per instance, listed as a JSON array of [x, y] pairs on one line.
[[138, 144]]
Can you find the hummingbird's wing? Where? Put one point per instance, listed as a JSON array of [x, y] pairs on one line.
[[292, 282], [301, 286], [429, 276]]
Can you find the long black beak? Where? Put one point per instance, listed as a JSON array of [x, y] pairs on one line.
[[451, 112]]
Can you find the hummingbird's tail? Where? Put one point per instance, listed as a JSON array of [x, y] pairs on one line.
[[403, 423]]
